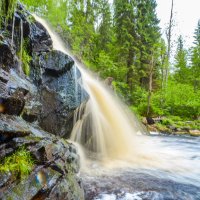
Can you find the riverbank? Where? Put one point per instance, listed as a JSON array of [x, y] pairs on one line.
[[173, 125]]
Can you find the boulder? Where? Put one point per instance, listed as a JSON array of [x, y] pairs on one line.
[[55, 63], [150, 120], [194, 132]]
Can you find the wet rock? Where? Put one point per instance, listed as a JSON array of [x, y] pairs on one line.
[[29, 188], [56, 117], [12, 105], [4, 178], [57, 157], [55, 63], [30, 106], [67, 189], [11, 127], [194, 132], [150, 120], [33, 108], [50, 119], [7, 56], [14, 90], [40, 39], [4, 77]]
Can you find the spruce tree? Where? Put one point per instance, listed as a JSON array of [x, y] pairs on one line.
[[181, 69], [195, 58]]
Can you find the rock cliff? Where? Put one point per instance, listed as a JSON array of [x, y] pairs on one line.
[[37, 102]]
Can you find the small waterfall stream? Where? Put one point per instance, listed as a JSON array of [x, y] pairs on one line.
[[13, 29], [104, 125], [21, 46]]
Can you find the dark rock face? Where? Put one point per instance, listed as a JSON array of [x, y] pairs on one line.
[[30, 106], [7, 55], [55, 63], [56, 94], [41, 41], [56, 157]]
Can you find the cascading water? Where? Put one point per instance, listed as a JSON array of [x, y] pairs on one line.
[[156, 168], [106, 127], [13, 28], [21, 46]]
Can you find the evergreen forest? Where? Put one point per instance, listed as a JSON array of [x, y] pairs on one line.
[[122, 40]]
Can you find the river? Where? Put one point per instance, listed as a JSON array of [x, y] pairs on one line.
[[120, 181]]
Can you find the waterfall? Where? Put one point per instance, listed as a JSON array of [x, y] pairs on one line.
[[21, 46], [103, 124], [76, 83], [13, 29]]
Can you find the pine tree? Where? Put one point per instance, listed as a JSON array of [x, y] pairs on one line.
[[125, 30], [181, 69], [195, 58], [104, 29], [148, 31]]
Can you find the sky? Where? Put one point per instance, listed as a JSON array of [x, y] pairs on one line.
[[186, 16]]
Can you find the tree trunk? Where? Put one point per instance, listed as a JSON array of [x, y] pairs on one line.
[[130, 69], [169, 35], [150, 86]]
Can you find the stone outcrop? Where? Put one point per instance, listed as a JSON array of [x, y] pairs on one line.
[[36, 110], [57, 157]]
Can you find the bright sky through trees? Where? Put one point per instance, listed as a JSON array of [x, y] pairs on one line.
[[186, 16]]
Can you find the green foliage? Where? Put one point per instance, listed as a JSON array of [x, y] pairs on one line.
[[26, 58], [180, 100], [195, 58], [7, 8], [19, 164], [182, 71]]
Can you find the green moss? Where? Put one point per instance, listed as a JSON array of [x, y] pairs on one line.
[[26, 58], [19, 164], [8, 11], [26, 61]]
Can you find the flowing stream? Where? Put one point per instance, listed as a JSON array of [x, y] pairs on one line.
[[126, 163]]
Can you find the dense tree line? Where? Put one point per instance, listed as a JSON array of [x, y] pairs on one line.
[[122, 40]]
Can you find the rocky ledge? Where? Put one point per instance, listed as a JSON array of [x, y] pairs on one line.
[[37, 101], [55, 157]]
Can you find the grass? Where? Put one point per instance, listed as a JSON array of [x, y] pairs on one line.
[[19, 164]]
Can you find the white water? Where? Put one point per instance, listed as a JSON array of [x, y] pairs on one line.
[[21, 46], [13, 29], [106, 126]]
